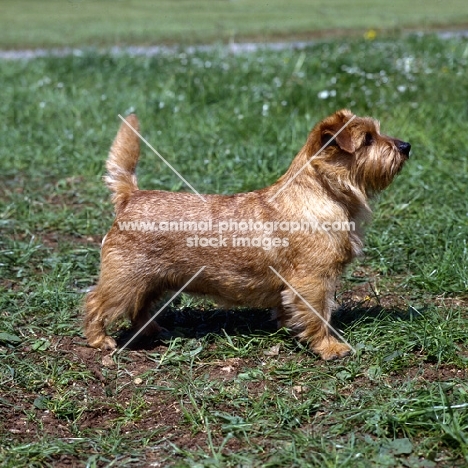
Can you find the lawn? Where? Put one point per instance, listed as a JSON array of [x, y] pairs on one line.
[[29, 23], [227, 389]]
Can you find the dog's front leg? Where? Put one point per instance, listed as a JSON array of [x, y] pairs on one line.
[[307, 307]]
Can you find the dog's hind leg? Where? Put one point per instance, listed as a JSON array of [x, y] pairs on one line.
[[120, 292], [99, 308], [142, 321], [104, 307]]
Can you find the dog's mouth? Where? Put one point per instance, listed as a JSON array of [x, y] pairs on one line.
[[400, 163], [400, 167]]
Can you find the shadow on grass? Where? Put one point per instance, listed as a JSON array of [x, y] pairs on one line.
[[198, 322], [348, 314]]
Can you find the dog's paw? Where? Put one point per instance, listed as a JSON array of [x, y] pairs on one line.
[[106, 344], [332, 350]]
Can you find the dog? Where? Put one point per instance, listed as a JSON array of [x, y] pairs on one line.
[[344, 162]]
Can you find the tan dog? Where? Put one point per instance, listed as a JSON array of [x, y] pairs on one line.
[[252, 250]]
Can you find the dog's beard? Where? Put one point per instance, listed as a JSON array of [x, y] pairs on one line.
[[374, 170]]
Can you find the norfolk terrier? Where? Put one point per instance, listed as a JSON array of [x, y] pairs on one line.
[[282, 247]]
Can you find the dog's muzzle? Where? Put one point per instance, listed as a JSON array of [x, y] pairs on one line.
[[404, 148]]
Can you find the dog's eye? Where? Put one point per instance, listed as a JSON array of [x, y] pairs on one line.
[[369, 139]]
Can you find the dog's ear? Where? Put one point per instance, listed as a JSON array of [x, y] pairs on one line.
[[344, 139], [333, 125]]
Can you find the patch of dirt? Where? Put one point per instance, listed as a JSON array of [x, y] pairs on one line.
[[456, 302], [9, 185], [225, 370], [366, 288], [365, 295], [51, 240], [432, 373], [9, 285]]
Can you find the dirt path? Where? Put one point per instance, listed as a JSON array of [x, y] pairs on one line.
[[150, 51]]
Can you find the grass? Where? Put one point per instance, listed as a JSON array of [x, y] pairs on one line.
[[26, 23], [245, 396]]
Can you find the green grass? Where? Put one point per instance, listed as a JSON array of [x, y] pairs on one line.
[[233, 123], [83, 22]]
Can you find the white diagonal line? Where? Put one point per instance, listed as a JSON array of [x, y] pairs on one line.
[[311, 308], [316, 154], [164, 160], [161, 309]]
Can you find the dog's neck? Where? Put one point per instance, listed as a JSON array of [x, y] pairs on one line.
[[341, 190], [306, 173]]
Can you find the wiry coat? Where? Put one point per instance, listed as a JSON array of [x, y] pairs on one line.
[[321, 187]]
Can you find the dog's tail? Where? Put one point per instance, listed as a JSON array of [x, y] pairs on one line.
[[122, 161]]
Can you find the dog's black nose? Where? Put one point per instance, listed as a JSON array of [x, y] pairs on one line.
[[404, 147]]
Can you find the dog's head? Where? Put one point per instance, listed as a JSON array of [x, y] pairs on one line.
[[352, 151]]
